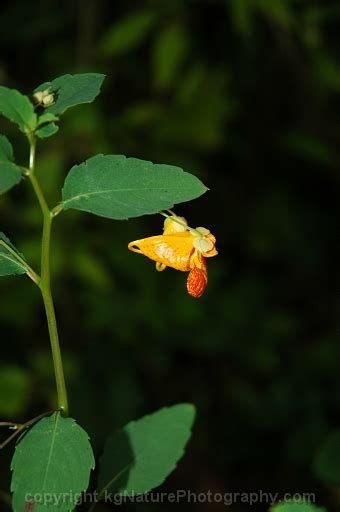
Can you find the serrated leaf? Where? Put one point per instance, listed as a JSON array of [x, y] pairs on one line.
[[296, 506], [139, 457], [127, 33], [327, 459], [9, 265], [47, 130], [71, 90], [10, 174], [118, 187], [17, 108], [51, 465]]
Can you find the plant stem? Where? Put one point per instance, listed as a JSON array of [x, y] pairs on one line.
[[45, 288], [45, 282]]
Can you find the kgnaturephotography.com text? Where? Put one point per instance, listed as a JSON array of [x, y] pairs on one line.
[[178, 496]]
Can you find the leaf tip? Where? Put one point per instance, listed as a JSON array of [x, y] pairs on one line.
[[190, 409]]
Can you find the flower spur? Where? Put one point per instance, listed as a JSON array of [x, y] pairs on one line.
[[182, 248]]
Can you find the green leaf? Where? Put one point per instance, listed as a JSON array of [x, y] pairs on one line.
[[327, 460], [18, 109], [9, 264], [71, 90], [6, 149], [296, 506], [47, 130], [127, 33], [117, 187], [52, 463], [168, 54], [10, 174], [46, 127], [139, 457], [46, 118]]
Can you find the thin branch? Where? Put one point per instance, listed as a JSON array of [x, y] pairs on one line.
[[21, 427], [9, 424]]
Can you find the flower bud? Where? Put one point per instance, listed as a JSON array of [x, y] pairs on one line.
[[45, 98], [48, 100], [38, 97]]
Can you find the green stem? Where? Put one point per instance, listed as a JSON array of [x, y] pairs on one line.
[[45, 282], [57, 209]]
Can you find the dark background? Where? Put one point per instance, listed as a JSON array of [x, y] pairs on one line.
[[244, 94]]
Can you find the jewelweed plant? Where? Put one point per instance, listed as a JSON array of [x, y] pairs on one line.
[[53, 458]]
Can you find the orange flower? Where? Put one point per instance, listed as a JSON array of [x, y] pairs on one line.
[[182, 248]]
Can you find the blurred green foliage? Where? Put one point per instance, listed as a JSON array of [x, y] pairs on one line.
[[244, 93], [297, 506]]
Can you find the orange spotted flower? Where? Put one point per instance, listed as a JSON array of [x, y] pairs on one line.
[[182, 248]]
